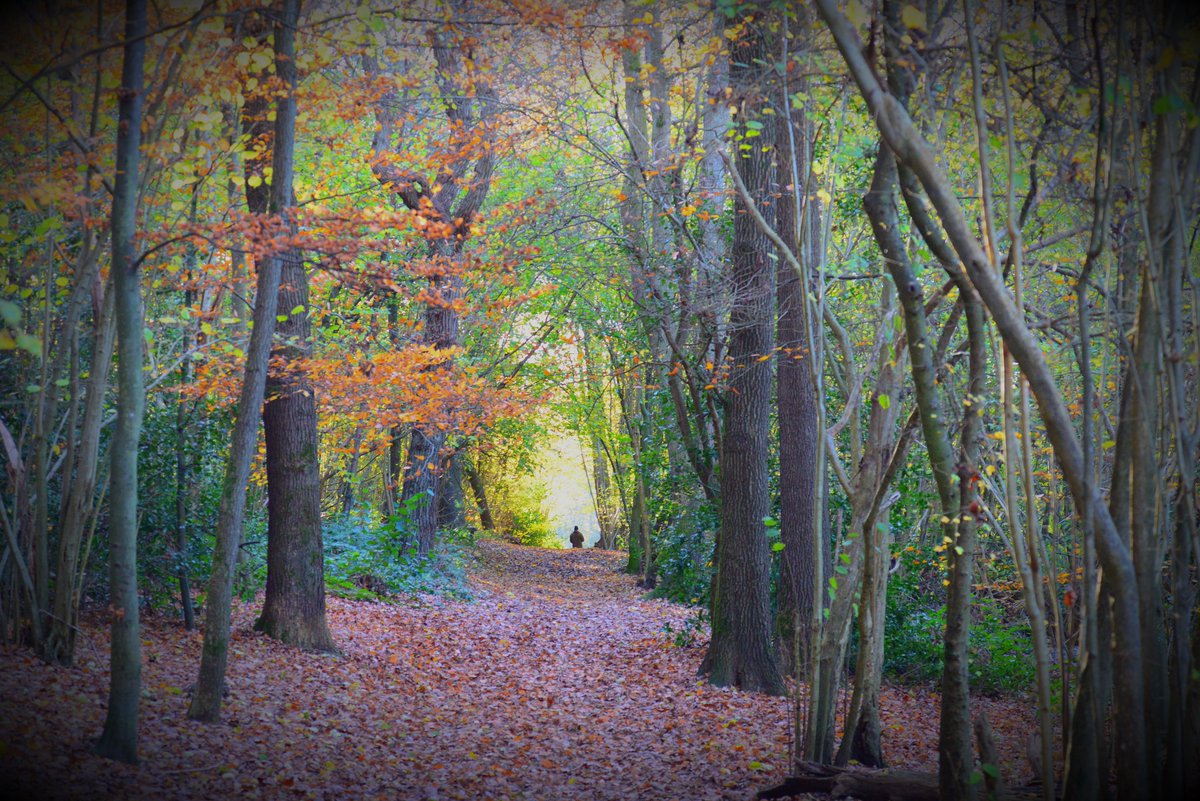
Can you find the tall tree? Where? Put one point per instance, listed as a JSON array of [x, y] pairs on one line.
[[119, 740], [448, 200], [294, 608], [206, 697], [740, 653], [800, 484]]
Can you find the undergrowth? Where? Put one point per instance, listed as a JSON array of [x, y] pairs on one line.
[[367, 559], [1000, 652]]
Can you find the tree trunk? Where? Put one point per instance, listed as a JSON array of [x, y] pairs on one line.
[[119, 739], [739, 653], [450, 499], [214, 656], [955, 736], [80, 501], [480, 492], [800, 487], [455, 199], [294, 608], [897, 128], [185, 461], [863, 739]]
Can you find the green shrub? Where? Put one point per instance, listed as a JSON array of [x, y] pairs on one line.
[[1000, 652], [684, 549], [366, 559], [531, 527]]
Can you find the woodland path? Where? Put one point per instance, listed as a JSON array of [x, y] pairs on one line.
[[557, 682]]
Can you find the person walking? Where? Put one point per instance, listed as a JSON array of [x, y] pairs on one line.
[[577, 538]]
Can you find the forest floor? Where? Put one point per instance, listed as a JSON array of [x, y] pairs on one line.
[[558, 681]]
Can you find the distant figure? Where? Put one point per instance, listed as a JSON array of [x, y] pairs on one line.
[[577, 538]]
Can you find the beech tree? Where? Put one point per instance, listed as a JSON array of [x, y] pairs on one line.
[[446, 199]]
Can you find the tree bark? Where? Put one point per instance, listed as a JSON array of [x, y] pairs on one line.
[[450, 501], [214, 655], [294, 607], [955, 735], [80, 501], [800, 487], [480, 491], [119, 740], [740, 653]]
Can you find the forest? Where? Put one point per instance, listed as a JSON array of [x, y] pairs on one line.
[[856, 341]]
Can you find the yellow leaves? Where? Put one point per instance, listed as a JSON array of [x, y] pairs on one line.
[[856, 13], [913, 18], [687, 211]]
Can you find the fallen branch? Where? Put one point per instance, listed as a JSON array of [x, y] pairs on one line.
[[876, 785], [869, 785]]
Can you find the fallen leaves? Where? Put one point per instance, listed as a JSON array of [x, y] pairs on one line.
[[557, 682]]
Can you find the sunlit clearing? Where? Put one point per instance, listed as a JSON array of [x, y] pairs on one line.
[[568, 497]]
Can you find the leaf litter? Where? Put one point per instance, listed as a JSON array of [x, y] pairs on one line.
[[558, 681]]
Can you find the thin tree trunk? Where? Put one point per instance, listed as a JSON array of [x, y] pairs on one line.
[[119, 740], [480, 492], [80, 501], [184, 483], [955, 737]]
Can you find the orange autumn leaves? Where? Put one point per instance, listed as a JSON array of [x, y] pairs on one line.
[[370, 370]]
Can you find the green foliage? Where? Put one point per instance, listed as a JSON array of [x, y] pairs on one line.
[[529, 525], [1000, 657], [362, 562], [685, 549], [159, 558]]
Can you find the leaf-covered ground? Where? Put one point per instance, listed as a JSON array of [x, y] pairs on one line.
[[557, 682]]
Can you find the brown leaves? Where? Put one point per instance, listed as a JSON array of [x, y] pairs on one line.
[[557, 682]]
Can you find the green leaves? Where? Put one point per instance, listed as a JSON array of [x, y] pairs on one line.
[[10, 313], [11, 337]]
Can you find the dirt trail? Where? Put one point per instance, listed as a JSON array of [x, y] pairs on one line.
[[558, 681]]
